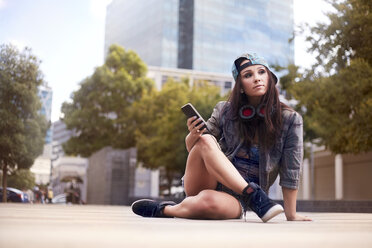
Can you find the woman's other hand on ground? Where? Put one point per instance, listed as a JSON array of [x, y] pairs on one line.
[[298, 217]]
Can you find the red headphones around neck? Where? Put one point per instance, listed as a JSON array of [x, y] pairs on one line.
[[247, 112]]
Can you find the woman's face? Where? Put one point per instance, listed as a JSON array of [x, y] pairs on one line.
[[255, 81]]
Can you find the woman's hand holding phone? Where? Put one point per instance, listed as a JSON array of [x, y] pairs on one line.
[[195, 126]]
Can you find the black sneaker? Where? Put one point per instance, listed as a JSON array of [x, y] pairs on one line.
[[151, 208], [260, 203]]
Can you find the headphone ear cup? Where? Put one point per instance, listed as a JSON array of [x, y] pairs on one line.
[[261, 111], [247, 112]]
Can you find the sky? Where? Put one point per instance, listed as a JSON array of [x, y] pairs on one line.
[[68, 37]]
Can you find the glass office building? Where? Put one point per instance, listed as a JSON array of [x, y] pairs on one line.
[[204, 35], [149, 27], [45, 94]]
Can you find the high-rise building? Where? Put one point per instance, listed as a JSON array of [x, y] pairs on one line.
[[60, 136], [41, 166], [45, 94], [203, 35]]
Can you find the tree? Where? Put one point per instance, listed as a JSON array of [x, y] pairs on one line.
[[339, 108], [347, 36], [162, 126], [22, 179], [22, 127], [335, 94], [101, 112]]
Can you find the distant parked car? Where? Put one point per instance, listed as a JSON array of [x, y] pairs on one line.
[[14, 195], [59, 199]]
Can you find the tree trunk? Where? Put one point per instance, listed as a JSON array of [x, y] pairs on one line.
[[5, 172]]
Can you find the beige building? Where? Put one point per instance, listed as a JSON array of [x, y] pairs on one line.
[[42, 165], [160, 75]]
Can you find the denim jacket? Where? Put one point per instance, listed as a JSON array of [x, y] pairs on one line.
[[284, 158]]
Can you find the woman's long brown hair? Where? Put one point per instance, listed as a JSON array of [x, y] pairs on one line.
[[268, 128]]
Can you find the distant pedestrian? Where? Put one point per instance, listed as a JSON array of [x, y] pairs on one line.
[[30, 194], [251, 138], [38, 195], [50, 195]]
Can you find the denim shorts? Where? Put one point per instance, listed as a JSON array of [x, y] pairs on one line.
[[246, 169]]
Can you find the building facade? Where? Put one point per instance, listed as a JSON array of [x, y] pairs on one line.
[[160, 75], [42, 164], [60, 135], [46, 94], [203, 35], [149, 27]]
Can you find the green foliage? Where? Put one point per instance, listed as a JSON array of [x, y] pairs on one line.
[[289, 79], [335, 96], [162, 125], [101, 111], [339, 108], [348, 36], [22, 127], [22, 179]]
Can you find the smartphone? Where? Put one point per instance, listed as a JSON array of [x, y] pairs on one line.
[[190, 111]]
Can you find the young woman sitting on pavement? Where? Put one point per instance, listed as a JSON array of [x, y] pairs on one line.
[[251, 138]]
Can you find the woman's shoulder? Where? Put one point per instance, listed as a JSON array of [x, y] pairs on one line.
[[289, 114], [221, 105]]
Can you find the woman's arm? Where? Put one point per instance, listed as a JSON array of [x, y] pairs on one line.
[[213, 125], [290, 166], [194, 133], [290, 199], [190, 142]]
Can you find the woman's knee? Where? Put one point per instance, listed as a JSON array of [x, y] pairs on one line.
[[210, 204], [207, 141], [207, 202]]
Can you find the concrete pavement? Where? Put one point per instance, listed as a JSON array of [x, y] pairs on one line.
[[26, 225]]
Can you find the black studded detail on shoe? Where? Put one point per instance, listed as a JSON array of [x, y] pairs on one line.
[[260, 203], [151, 208]]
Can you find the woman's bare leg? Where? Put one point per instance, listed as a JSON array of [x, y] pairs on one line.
[[206, 165], [208, 204]]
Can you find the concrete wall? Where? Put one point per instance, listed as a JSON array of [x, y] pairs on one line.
[[324, 176], [111, 176], [97, 178], [356, 176]]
